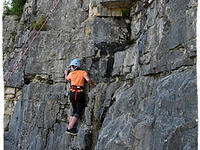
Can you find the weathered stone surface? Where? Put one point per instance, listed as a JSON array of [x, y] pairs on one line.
[[47, 115], [9, 31], [141, 53], [11, 96], [118, 63], [112, 30], [126, 62], [9, 90], [105, 8], [137, 117]]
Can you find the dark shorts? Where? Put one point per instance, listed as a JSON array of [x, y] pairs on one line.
[[78, 104]]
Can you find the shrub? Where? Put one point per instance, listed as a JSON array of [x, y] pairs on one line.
[[15, 9], [6, 9], [5, 51], [125, 12], [36, 25]]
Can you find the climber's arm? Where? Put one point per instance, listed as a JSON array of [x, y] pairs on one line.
[[87, 78], [66, 75]]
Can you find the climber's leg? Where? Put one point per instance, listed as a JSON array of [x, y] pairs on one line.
[[72, 122]]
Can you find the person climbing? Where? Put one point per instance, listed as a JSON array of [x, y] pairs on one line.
[[76, 77]]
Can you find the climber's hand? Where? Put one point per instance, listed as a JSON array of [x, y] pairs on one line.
[[94, 83], [66, 72]]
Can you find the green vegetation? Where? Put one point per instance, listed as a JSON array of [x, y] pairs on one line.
[[36, 25], [125, 12], [13, 35], [5, 51], [15, 9], [6, 9]]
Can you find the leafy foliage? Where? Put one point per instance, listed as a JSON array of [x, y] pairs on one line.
[[6, 9], [36, 25], [125, 13], [5, 51], [15, 9]]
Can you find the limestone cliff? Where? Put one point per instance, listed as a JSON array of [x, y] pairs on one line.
[[142, 53]]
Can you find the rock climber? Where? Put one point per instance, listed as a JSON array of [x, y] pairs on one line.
[[76, 77]]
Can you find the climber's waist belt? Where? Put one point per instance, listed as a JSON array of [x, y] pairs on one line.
[[74, 88]]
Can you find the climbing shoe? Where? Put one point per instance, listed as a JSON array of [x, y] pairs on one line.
[[72, 131]]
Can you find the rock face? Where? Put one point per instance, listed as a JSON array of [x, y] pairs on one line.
[[141, 53]]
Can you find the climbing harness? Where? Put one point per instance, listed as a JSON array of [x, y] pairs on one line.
[[76, 89], [51, 12]]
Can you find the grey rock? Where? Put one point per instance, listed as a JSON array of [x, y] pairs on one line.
[[118, 63], [144, 62], [147, 124]]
